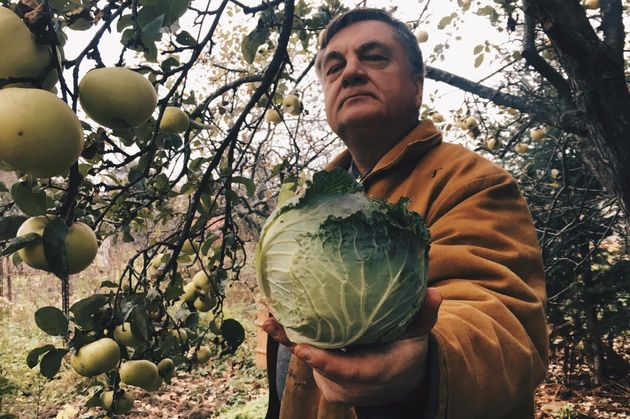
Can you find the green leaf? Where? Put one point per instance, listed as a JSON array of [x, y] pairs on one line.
[[51, 362], [8, 416], [21, 242], [174, 288], [30, 202], [233, 332], [3, 187], [446, 20], [85, 310], [478, 49], [32, 358], [140, 325], [52, 321], [108, 284], [249, 184], [172, 9], [124, 22], [153, 28], [186, 39], [10, 225], [252, 42], [54, 242], [479, 60], [169, 63]]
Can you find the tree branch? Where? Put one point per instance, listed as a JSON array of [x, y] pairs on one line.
[[540, 110]]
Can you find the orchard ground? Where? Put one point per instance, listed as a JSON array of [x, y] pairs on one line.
[[231, 386]]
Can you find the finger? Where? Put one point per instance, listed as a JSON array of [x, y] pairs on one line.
[[276, 331], [428, 313], [336, 366]]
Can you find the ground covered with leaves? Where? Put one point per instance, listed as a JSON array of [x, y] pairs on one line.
[[229, 386]]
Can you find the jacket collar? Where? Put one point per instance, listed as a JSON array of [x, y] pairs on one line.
[[422, 138]]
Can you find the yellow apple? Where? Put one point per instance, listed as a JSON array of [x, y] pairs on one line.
[[470, 122], [203, 354], [140, 373], [124, 401], [179, 334], [422, 36], [292, 105], [117, 97], [555, 173], [205, 302], [537, 134], [21, 55], [521, 148], [124, 336], [166, 369], [96, 358], [491, 143], [81, 245], [174, 120], [40, 134], [273, 116], [437, 117], [189, 247], [190, 292], [204, 282], [591, 4]]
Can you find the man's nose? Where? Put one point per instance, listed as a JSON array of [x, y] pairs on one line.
[[353, 74]]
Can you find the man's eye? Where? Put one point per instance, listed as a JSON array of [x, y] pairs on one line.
[[373, 58], [334, 69]]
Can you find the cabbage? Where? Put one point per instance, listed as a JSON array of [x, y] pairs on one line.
[[338, 268]]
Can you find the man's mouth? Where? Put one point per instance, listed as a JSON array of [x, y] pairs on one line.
[[355, 96]]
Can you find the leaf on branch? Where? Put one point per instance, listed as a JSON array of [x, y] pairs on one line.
[[248, 183], [51, 362], [233, 333], [479, 60], [85, 310], [52, 321], [54, 242], [10, 225], [446, 20], [252, 42], [21, 242], [32, 358], [30, 202], [186, 39]]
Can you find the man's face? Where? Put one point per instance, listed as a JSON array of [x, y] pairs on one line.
[[367, 80]]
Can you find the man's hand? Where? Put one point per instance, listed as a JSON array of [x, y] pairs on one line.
[[375, 375]]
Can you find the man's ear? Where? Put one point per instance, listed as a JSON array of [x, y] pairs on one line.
[[419, 87]]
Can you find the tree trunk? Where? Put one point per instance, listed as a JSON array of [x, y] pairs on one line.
[[596, 73], [595, 344]]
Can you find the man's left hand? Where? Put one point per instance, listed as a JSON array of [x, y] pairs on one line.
[[375, 375]]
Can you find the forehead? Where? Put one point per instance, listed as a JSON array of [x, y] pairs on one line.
[[359, 33]]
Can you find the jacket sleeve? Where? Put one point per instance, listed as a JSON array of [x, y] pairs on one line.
[[490, 335]]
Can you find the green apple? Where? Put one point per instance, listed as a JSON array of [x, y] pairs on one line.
[[124, 401], [81, 245], [205, 302], [422, 36], [21, 55], [174, 120], [40, 134], [140, 373], [273, 116], [96, 358], [117, 97], [203, 354], [292, 105], [124, 336]]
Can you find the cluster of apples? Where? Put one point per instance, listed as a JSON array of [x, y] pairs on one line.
[[291, 104], [43, 137]]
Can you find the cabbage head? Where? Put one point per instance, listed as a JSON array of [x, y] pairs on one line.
[[338, 268]]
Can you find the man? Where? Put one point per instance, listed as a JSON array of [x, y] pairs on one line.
[[487, 350]]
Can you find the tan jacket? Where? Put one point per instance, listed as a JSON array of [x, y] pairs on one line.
[[491, 335]]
